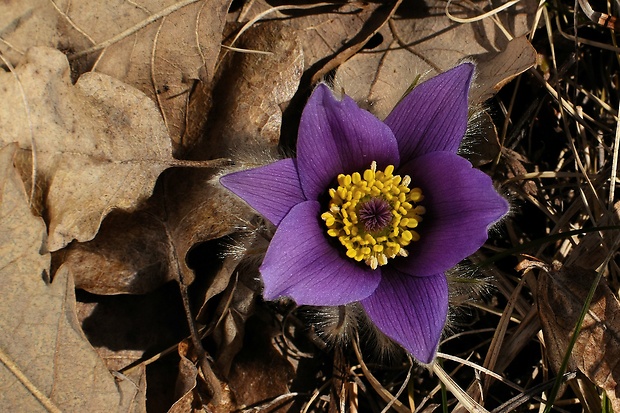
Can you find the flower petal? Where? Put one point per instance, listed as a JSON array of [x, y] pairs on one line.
[[433, 117], [302, 264], [461, 204], [336, 136], [272, 189], [410, 310]]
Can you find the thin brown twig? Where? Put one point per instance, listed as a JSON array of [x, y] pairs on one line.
[[152, 74]]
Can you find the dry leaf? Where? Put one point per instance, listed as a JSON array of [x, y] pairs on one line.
[[421, 45], [561, 295], [99, 145], [260, 372], [190, 387], [186, 380], [105, 266], [322, 31], [495, 70], [233, 311], [28, 23], [46, 362], [200, 209], [191, 206], [155, 240], [168, 59], [247, 123]]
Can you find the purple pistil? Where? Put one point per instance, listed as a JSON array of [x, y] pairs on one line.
[[375, 214]]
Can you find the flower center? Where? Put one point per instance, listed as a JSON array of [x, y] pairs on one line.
[[373, 215]]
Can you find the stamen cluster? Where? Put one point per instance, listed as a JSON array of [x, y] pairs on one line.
[[373, 215]]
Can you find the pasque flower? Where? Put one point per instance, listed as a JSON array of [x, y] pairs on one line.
[[374, 211]]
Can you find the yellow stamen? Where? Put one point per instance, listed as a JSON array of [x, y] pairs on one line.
[[386, 237]]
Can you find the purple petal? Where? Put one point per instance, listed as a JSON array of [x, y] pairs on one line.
[[461, 204], [410, 310], [433, 117], [302, 264], [272, 189], [338, 137]]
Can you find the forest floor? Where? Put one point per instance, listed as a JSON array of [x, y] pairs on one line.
[[130, 275]]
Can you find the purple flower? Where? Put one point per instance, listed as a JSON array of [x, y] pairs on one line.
[[375, 211]]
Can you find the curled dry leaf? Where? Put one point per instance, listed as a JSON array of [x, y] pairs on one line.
[[232, 313], [190, 387], [561, 295], [185, 390], [45, 360], [245, 124], [495, 70], [99, 145]]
